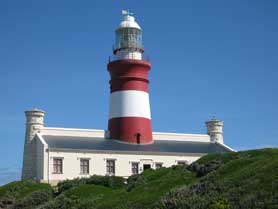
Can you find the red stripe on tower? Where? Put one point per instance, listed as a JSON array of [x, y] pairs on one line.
[[129, 116]]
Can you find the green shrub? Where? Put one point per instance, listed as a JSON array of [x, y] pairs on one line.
[[34, 199], [112, 182], [24, 194], [20, 189], [219, 204]]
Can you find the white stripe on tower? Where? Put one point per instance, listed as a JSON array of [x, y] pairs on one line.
[[129, 103]]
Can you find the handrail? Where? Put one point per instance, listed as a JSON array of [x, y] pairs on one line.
[[135, 46], [132, 57]]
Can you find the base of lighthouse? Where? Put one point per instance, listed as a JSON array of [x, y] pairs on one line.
[[131, 130]]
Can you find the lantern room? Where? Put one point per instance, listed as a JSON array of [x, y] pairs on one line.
[[128, 41]]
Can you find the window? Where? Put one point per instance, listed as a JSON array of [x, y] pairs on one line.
[[58, 165], [110, 167], [158, 165], [182, 163], [84, 166], [134, 168]]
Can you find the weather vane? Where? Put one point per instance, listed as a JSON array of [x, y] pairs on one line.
[[126, 12]]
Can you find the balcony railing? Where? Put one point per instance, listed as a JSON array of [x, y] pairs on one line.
[[131, 45], [130, 56]]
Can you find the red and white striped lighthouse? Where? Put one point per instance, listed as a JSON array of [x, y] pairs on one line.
[[129, 115]]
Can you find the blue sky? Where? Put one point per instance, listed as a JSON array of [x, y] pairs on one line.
[[208, 58]]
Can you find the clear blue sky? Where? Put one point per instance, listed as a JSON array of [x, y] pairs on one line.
[[208, 58]]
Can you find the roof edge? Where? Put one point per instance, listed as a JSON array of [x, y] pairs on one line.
[[73, 129], [226, 146], [126, 152], [179, 134], [40, 137]]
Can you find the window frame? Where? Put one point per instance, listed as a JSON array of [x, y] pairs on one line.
[[84, 167], [137, 168], [110, 168], [58, 167]]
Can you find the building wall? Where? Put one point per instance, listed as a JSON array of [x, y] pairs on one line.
[[72, 132], [39, 159], [181, 137], [71, 163], [29, 161]]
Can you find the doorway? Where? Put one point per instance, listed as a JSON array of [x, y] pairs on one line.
[[146, 166], [138, 136]]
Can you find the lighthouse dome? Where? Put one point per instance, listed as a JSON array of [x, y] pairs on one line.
[[128, 22]]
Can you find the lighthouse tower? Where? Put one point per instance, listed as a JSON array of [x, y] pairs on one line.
[[129, 115]]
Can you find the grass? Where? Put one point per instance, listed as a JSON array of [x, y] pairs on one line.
[[246, 179], [90, 192], [150, 187]]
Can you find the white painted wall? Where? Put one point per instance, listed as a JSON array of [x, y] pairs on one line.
[[53, 131], [181, 137], [129, 103], [71, 163], [34, 123]]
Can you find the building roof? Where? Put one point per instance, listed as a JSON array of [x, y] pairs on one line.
[[157, 147]]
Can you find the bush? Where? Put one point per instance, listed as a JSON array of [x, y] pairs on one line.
[[134, 181], [64, 202], [24, 194], [20, 189], [34, 199], [7, 201], [204, 169], [219, 204], [112, 182]]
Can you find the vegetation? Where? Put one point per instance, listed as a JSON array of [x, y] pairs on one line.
[[242, 180], [24, 194]]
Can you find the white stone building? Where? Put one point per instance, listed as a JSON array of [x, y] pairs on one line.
[[54, 154], [128, 146]]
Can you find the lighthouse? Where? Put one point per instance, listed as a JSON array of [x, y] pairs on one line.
[[129, 114], [128, 147]]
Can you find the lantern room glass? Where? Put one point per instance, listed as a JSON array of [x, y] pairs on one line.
[[128, 38]]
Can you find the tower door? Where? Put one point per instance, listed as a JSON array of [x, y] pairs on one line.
[[138, 136]]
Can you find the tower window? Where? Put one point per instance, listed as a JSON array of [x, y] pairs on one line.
[[58, 165], [110, 167], [84, 166], [134, 168]]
